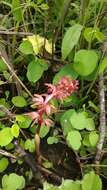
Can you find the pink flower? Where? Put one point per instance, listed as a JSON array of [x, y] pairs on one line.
[[48, 122], [63, 89], [38, 100], [33, 115], [42, 103]]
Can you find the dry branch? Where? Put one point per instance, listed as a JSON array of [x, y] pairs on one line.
[[102, 128]]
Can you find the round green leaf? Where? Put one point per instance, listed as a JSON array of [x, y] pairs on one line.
[[66, 70], [15, 130], [19, 101], [35, 70], [3, 164], [24, 121], [85, 61], [52, 140], [74, 139], [30, 145], [65, 121], [70, 185], [26, 47], [48, 186], [91, 76], [13, 182], [78, 120], [90, 124], [93, 138], [5, 136], [91, 181]]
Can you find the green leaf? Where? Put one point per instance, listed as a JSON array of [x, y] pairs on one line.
[[13, 182], [86, 141], [48, 186], [92, 105], [5, 136], [70, 39], [103, 65], [99, 36], [52, 140], [47, 164], [19, 101], [17, 10], [3, 66], [91, 76], [15, 130], [23, 121], [93, 33], [93, 138], [66, 70], [74, 139], [78, 120], [3, 164], [30, 145], [65, 121], [21, 118], [35, 70], [44, 130], [44, 6], [85, 61], [91, 181], [90, 124], [26, 47], [72, 100], [10, 146], [6, 75], [70, 185], [89, 34]]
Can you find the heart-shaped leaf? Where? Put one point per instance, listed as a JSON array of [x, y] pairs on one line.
[[5, 136], [85, 61], [91, 181], [74, 139]]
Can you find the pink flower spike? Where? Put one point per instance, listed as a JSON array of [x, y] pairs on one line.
[[33, 115], [65, 88]]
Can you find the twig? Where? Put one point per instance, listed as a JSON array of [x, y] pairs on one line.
[[37, 169], [4, 56], [7, 154], [6, 32], [29, 161], [5, 110], [102, 128]]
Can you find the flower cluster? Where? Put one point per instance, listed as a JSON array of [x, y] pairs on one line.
[[42, 103]]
